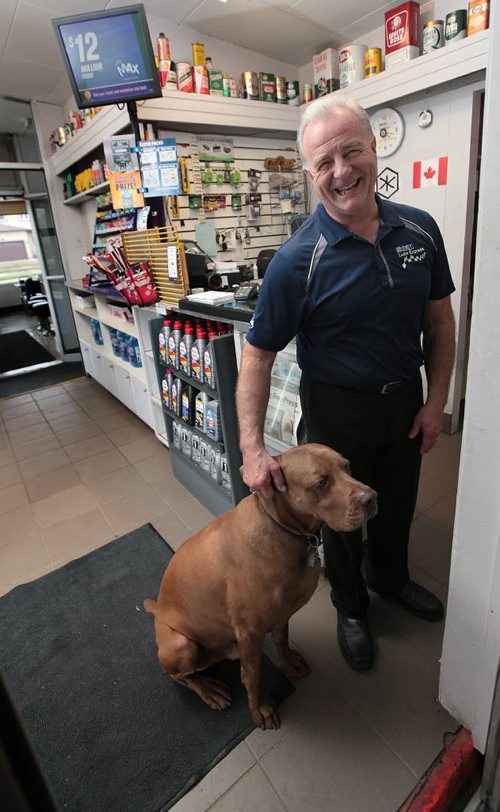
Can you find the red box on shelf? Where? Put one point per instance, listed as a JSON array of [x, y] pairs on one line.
[[401, 33]]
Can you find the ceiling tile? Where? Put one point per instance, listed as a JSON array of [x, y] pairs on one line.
[[26, 71], [232, 20], [8, 12], [65, 8], [286, 35], [33, 32], [169, 10], [336, 16]]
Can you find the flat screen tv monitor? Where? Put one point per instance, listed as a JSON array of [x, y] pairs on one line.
[[108, 56]]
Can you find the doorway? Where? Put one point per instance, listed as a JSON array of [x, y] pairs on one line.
[[37, 330]]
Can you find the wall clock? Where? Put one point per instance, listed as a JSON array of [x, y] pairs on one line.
[[389, 130]]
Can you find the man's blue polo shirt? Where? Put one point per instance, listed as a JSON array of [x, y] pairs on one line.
[[356, 309]]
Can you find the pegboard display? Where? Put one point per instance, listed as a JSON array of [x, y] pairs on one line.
[[265, 174]]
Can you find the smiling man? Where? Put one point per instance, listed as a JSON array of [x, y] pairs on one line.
[[364, 286]]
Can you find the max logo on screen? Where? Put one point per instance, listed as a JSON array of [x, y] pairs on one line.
[[126, 69]]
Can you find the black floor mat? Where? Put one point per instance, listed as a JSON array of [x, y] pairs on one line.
[[110, 730]]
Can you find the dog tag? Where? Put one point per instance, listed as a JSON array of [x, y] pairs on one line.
[[313, 560]]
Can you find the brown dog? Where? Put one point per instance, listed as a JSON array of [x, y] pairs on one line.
[[248, 571]]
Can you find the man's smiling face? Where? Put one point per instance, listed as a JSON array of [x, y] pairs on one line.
[[341, 162]]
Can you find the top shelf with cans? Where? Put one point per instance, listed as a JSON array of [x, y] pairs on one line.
[[454, 62]]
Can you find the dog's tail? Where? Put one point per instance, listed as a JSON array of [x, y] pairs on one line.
[[150, 606]]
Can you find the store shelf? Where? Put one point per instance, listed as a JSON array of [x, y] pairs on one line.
[[467, 57], [216, 498], [192, 111], [201, 434], [81, 197], [90, 312], [119, 324], [202, 387], [157, 401], [108, 122], [136, 372]]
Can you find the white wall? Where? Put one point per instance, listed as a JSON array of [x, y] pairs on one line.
[[226, 57], [471, 648]]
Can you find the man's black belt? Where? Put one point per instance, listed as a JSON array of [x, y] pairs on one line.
[[385, 389], [392, 386]]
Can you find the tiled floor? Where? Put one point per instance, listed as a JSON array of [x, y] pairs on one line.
[[77, 469]]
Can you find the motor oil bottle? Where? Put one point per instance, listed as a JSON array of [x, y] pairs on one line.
[[200, 411], [215, 468], [195, 448], [197, 354], [213, 421], [208, 362], [174, 341], [204, 458], [185, 345], [165, 389], [188, 404], [175, 396], [225, 475], [176, 431], [186, 440], [163, 340]]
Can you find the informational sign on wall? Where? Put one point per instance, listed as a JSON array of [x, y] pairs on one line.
[[159, 167]]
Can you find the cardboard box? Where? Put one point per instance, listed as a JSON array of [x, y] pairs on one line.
[[326, 72], [401, 33], [85, 302], [478, 18], [267, 87]]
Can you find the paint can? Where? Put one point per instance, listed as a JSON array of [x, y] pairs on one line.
[[200, 80], [162, 46], [433, 36], [351, 64], [373, 62], [198, 51], [184, 77], [455, 26], [307, 93], [250, 84], [281, 97], [293, 93]]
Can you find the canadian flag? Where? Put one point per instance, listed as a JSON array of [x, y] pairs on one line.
[[431, 172]]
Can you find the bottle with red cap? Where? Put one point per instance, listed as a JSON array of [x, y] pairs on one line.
[[208, 361], [174, 341], [185, 345], [197, 354], [163, 340]]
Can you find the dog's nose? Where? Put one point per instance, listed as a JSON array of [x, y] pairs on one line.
[[367, 498]]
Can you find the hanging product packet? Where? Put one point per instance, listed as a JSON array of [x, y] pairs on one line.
[[140, 275]]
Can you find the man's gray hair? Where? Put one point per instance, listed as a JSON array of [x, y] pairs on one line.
[[325, 106]]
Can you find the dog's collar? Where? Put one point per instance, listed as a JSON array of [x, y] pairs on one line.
[[313, 541]]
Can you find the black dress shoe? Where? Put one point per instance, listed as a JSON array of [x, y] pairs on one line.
[[355, 642], [416, 599]]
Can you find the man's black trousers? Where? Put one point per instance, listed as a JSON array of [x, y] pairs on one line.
[[371, 431]]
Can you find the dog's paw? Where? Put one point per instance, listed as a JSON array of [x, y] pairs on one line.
[[295, 667], [267, 717], [214, 692]]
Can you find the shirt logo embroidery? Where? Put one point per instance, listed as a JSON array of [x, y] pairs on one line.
[[409, 253]]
